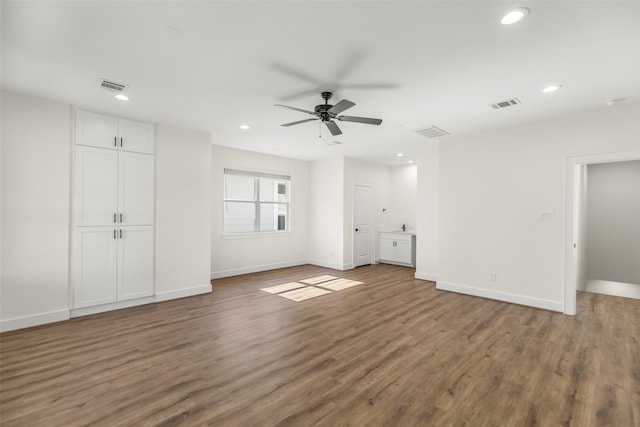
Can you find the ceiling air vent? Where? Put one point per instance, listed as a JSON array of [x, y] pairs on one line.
[[432, 132], [113, 86], [504, 104]]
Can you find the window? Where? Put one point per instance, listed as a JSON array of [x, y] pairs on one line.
[[255, 202]]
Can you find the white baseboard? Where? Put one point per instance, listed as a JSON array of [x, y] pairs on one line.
[[331, 265], [255, 269], [426, 276], [618, 289], [34, 320], [183, 293], [86, 311], [501, 296]]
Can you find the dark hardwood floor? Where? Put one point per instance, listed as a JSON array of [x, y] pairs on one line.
[[392, 352]]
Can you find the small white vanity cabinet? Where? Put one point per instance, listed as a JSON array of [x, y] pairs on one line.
[[113, 211], [397, 248]]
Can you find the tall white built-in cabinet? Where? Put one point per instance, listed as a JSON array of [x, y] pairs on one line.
[[112, 248]]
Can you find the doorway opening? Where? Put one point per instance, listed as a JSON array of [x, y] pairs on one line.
[[575, 225]]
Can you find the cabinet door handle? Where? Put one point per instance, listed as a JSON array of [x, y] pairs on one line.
[[114, 233], [121, 233], [120, 141], [120, 217], [114, 218], [115, 141]]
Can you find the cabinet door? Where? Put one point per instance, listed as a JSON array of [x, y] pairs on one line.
[[135, 136], [96, 186], [96, 130], [136, 175], [135, 260], [387, 249], [403, 251], [94, 270]]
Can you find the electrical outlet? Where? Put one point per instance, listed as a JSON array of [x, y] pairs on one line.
[[492, 276]]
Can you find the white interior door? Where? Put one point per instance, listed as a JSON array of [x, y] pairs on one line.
[[363, 225]]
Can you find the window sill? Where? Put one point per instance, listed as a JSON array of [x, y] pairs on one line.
[[253, 235]]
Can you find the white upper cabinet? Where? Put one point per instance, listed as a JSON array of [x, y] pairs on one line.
[[135, 188], [98, 130], [96, 187], [135, 136], [113, 188]]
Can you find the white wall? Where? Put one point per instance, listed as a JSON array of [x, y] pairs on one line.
[[403, 183], [492, 187], [231, 256], [326, 213], [613, 225], [183, 210], [358, 172], [427, 213], [35, 210]]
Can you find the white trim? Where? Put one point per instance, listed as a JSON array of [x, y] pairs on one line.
[[85, 311], [331, 265], [33, 320], [182, 293], [501, 296], [570, 273], [255, 269], [420, 275], [256, 234]]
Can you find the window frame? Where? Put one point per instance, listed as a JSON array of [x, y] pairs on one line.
[[258, 202]]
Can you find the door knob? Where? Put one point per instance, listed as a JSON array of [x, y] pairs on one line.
[[357, 229]]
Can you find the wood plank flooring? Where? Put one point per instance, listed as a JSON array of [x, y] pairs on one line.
[[392, 352]]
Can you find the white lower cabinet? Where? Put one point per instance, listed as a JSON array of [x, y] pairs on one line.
[[135, 263], [397, 248], [112, 264]]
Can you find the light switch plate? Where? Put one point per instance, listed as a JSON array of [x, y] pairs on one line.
[[545, 216]]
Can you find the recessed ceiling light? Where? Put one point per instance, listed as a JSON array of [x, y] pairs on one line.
[[399, 154], [514, 16], [122, 97], [410, 161], [245, 127], [551, 88]]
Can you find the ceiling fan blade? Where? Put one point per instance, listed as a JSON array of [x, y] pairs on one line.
[[333, 128], [340, 107], [360, 120], [299, 121], [295, 109]]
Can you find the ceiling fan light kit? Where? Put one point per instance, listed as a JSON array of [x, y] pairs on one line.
[[328, 113]]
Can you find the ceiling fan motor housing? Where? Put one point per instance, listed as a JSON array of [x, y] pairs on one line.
[[322, 111]]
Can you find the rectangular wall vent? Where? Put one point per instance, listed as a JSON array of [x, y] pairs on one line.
[[113, 86], [432, 132], [504, 104]]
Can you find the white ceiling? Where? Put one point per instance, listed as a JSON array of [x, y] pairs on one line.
[[213, 65]]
